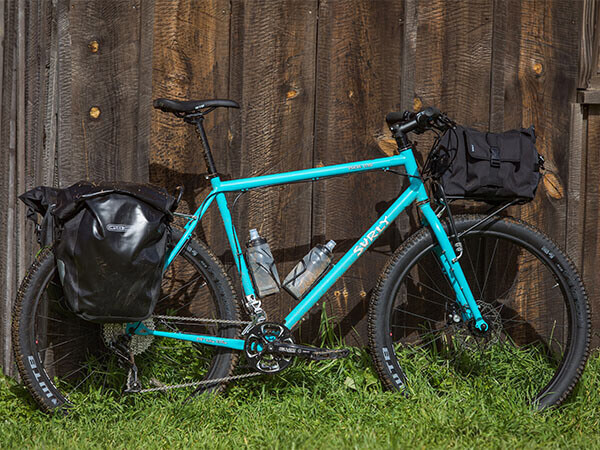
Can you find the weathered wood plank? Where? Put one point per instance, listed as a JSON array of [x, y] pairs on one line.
[[590, 45], [537, 85], [20, 157], [359, 69], [591, 247], [68, 167], [38, 162], [8, 137], [589, 96], [23, 106], [105, 71], [272, 75], [409, 50], [453, 59], [576, 185], [190, 61]]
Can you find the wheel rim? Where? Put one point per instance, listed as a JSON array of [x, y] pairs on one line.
[[74, 352], [515, 285]]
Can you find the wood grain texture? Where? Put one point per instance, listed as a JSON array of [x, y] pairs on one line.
[[537, 85], [272, 76], [106, 147], [39, 148], [24, 90], [359, 69], [591, 247], [589, 46], [454, 51], [576, 184], [190, 61], [8, 138]]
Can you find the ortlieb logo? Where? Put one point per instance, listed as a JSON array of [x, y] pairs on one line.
[[117, 227]]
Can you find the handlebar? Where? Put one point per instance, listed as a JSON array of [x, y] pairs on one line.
[[427, 119]]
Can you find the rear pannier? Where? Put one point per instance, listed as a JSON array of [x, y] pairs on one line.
[[110, 249], [491, 167]]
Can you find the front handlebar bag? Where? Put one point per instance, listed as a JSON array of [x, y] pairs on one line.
[[111, 248], [489, 167]]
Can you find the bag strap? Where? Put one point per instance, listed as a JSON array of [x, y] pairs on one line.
[[492, 140]]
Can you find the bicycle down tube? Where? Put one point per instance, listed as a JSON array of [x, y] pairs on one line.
[[415, 192]]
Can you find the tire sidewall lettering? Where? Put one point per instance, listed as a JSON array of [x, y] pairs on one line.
[[42, 380]]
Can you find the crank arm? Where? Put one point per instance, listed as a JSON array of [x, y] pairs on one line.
[[307, 352]]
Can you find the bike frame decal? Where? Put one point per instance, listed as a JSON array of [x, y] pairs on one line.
[[415, 192]]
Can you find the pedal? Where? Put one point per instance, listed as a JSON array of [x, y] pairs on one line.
[[310, 353]]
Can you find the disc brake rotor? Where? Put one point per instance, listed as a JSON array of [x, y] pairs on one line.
[[468, 339], [138, 343]]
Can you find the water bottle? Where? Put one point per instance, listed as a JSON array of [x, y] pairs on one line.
[[308, 271], [262, 265]]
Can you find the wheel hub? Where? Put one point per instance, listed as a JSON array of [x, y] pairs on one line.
[[468, 337]]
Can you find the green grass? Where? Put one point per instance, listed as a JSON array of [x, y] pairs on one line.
[[335, 404]]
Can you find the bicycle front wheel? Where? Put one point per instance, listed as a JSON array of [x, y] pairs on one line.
[[528, 292], [64, 360]]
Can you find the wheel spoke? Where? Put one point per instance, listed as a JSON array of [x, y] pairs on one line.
[[414, 314], [489, 268], [429, 287]]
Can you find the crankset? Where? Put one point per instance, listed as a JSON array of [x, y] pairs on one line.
[[269, 348]]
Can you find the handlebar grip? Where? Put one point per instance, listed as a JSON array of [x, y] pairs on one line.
[[394, 117]]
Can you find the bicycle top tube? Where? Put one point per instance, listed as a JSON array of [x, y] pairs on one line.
[[313, 174]]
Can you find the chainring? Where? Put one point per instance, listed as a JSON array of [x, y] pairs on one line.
[[138, 343], [259, 341], [467, 338]]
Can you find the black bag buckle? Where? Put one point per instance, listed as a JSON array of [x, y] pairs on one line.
[[495, 157]]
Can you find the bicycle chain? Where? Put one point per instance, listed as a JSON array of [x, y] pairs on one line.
[[198, 319], [200, 383]]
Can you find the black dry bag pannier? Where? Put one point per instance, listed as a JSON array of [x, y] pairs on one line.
[[491, 167], [111, 248]]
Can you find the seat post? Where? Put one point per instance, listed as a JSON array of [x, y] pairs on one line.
[[210, 162]]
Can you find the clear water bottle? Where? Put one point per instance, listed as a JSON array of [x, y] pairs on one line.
[[261, 265], [308, 271]]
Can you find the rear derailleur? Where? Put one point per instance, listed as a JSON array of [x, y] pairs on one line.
[[270, 348], [122, 348]]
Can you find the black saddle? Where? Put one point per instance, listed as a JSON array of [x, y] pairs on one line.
[[191, 106]]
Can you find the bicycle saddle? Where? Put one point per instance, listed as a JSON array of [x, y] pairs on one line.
[[191, 106]]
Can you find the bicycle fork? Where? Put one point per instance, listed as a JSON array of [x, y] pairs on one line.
[[453, 270]]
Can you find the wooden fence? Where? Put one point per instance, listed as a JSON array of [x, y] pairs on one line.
[[315, 79]]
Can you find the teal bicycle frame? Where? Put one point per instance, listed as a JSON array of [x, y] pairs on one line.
[[414, 193]]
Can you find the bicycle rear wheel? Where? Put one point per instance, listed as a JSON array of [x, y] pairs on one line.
[[528, 292], [65, 360]]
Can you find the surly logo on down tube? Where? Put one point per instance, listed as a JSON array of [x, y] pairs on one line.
[[371, 236]]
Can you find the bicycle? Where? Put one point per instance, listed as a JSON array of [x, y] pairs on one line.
[[474, 286]]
